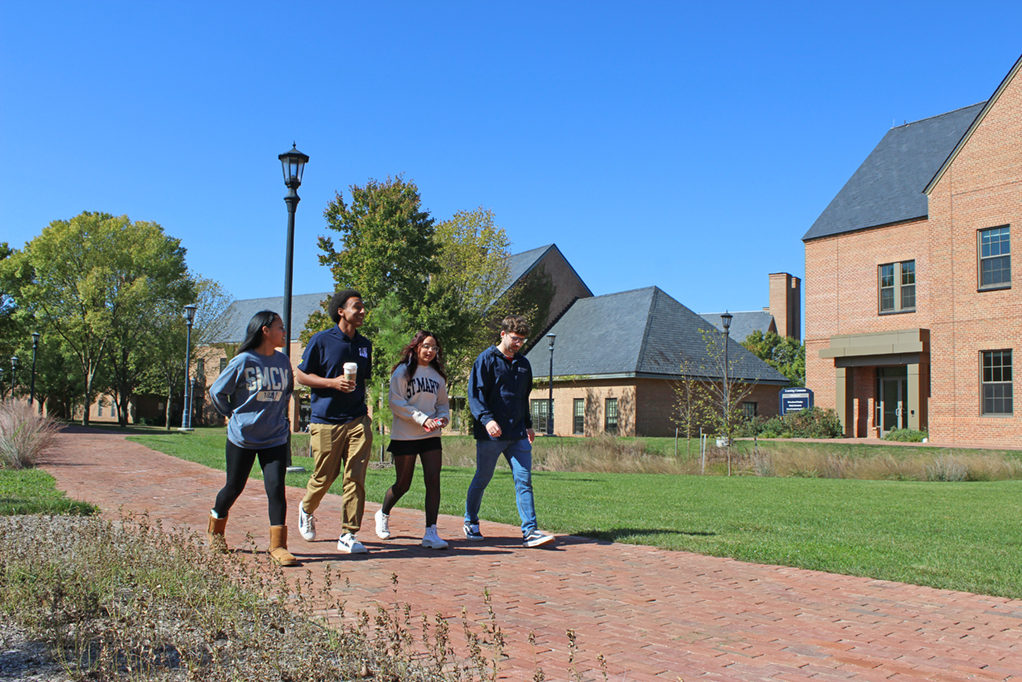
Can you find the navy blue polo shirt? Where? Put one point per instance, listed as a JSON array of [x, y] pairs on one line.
[[325, 357]]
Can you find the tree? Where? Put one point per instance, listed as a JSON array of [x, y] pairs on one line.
[[93, 281], [387, 243], [688, 402], [783, 353], [724, 390]]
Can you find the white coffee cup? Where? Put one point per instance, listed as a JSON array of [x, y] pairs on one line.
[[350, 370]]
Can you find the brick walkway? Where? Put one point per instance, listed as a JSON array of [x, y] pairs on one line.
[[653, 614]]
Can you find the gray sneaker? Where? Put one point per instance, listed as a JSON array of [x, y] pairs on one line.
[[349, 544], [472, 532], [306, 524], [537, 538]]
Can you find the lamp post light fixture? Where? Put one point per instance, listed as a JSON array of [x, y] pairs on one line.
[[550, 400], [14, 374], [35, 349], [186, 418]]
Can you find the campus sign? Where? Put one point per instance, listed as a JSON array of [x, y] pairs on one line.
[[795, 399]]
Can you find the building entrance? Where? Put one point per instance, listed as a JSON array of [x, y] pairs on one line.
[[892, 399]]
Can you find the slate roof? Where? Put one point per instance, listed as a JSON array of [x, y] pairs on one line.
[[521, 264], [240, 312], [888, 187], [638, 333], [743, 323]]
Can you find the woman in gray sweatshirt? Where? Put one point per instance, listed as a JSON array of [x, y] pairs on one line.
[[253, 392], [418, 401]]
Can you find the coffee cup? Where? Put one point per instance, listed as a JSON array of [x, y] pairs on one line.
[[350, 371]]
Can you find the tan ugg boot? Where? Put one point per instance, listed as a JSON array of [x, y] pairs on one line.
[[278, 547], [215, 534]]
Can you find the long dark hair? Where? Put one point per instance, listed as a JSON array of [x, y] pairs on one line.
[[410, 358], [254, 333]]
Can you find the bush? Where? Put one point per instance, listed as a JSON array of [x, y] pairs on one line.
[[24, 434], [816, 422], [906, 436]]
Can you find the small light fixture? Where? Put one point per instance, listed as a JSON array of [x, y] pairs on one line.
[[293, 163]]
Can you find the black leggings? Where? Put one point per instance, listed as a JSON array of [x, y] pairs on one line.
[[273, 462], [404, 465]]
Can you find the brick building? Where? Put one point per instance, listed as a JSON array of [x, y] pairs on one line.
[[911, 318], [617, 359]]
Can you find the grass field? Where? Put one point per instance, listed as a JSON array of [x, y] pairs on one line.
[[962, 536], [33, 491]]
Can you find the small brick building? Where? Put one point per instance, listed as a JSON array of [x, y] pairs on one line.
[[911, 317]]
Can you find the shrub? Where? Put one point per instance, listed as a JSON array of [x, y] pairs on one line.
[[816, 422], [24, 434], [946, 468], [906, 436]]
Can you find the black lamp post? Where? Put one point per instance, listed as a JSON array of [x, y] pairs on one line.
[[550, 401], [35, 349], [725, 320], [186, 418], [293, 163], [14, 374]]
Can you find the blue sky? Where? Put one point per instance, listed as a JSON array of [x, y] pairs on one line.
[[683, 145]]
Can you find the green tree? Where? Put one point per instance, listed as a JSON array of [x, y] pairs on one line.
[[783, 353], [387, 243], [93, 281]]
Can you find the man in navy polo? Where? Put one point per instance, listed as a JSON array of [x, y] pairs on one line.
[[341, 432]]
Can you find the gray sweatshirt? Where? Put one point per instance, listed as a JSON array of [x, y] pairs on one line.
[[254, 390], [415, 400]]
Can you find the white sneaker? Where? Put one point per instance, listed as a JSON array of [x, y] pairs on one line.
[[349, 544], [431, 540], [382, 525], [537, 538], [306, 524]]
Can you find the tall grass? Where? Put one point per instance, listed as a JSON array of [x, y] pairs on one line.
[[130, 600], [24, 434]]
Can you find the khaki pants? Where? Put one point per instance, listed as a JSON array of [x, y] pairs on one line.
[[335, 448]]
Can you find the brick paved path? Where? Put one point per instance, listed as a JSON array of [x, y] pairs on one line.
[[654, 614]]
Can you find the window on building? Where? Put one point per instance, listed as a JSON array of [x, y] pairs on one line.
[[749, 410], [539, 415], [200, 369], [997, 382], [610, 420], [223, 364], [578, 426], [897, 285], [99, 409], [995, 258]]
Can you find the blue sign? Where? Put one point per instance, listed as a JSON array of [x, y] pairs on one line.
[[795, 399]]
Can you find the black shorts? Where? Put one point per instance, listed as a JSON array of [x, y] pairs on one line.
[[414, 447]]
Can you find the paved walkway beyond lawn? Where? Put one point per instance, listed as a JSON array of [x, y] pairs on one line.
[[652, 614]]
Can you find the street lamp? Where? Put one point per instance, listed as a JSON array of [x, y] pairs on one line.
[[293, 164], [725, 320], [35, 349], [186, 418], [550, 401], [14, 374]]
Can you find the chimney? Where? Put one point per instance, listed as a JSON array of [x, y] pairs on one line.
[[786, 304]]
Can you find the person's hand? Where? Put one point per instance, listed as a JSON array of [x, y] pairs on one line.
[[345, 385], [430, 425], [531, 434], [493, 428]]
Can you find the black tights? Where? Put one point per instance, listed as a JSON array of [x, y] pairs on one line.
[[273, 462], [404, 465]]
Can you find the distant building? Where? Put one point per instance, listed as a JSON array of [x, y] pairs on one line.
[[783, 316], [618, 357], [911, 315]]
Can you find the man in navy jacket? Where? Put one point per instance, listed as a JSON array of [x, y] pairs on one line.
[[498, 395]]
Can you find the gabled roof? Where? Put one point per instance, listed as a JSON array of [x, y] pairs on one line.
[[521, 264], [743, 323], [972, 127], [888, 187], [239, 313], [638, 333]]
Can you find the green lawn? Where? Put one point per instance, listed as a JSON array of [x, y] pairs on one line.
[[962, 536], [33, 491]]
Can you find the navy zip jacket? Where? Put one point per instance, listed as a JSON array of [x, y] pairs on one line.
[[498, 390]]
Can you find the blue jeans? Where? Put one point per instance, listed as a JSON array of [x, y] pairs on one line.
[[519, 455]]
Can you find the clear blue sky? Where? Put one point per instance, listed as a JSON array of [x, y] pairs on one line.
[[683, 145]]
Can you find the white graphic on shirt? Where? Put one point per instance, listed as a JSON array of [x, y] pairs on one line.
[[268, 383]]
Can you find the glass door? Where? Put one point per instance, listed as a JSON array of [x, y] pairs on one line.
[[893, 398]]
